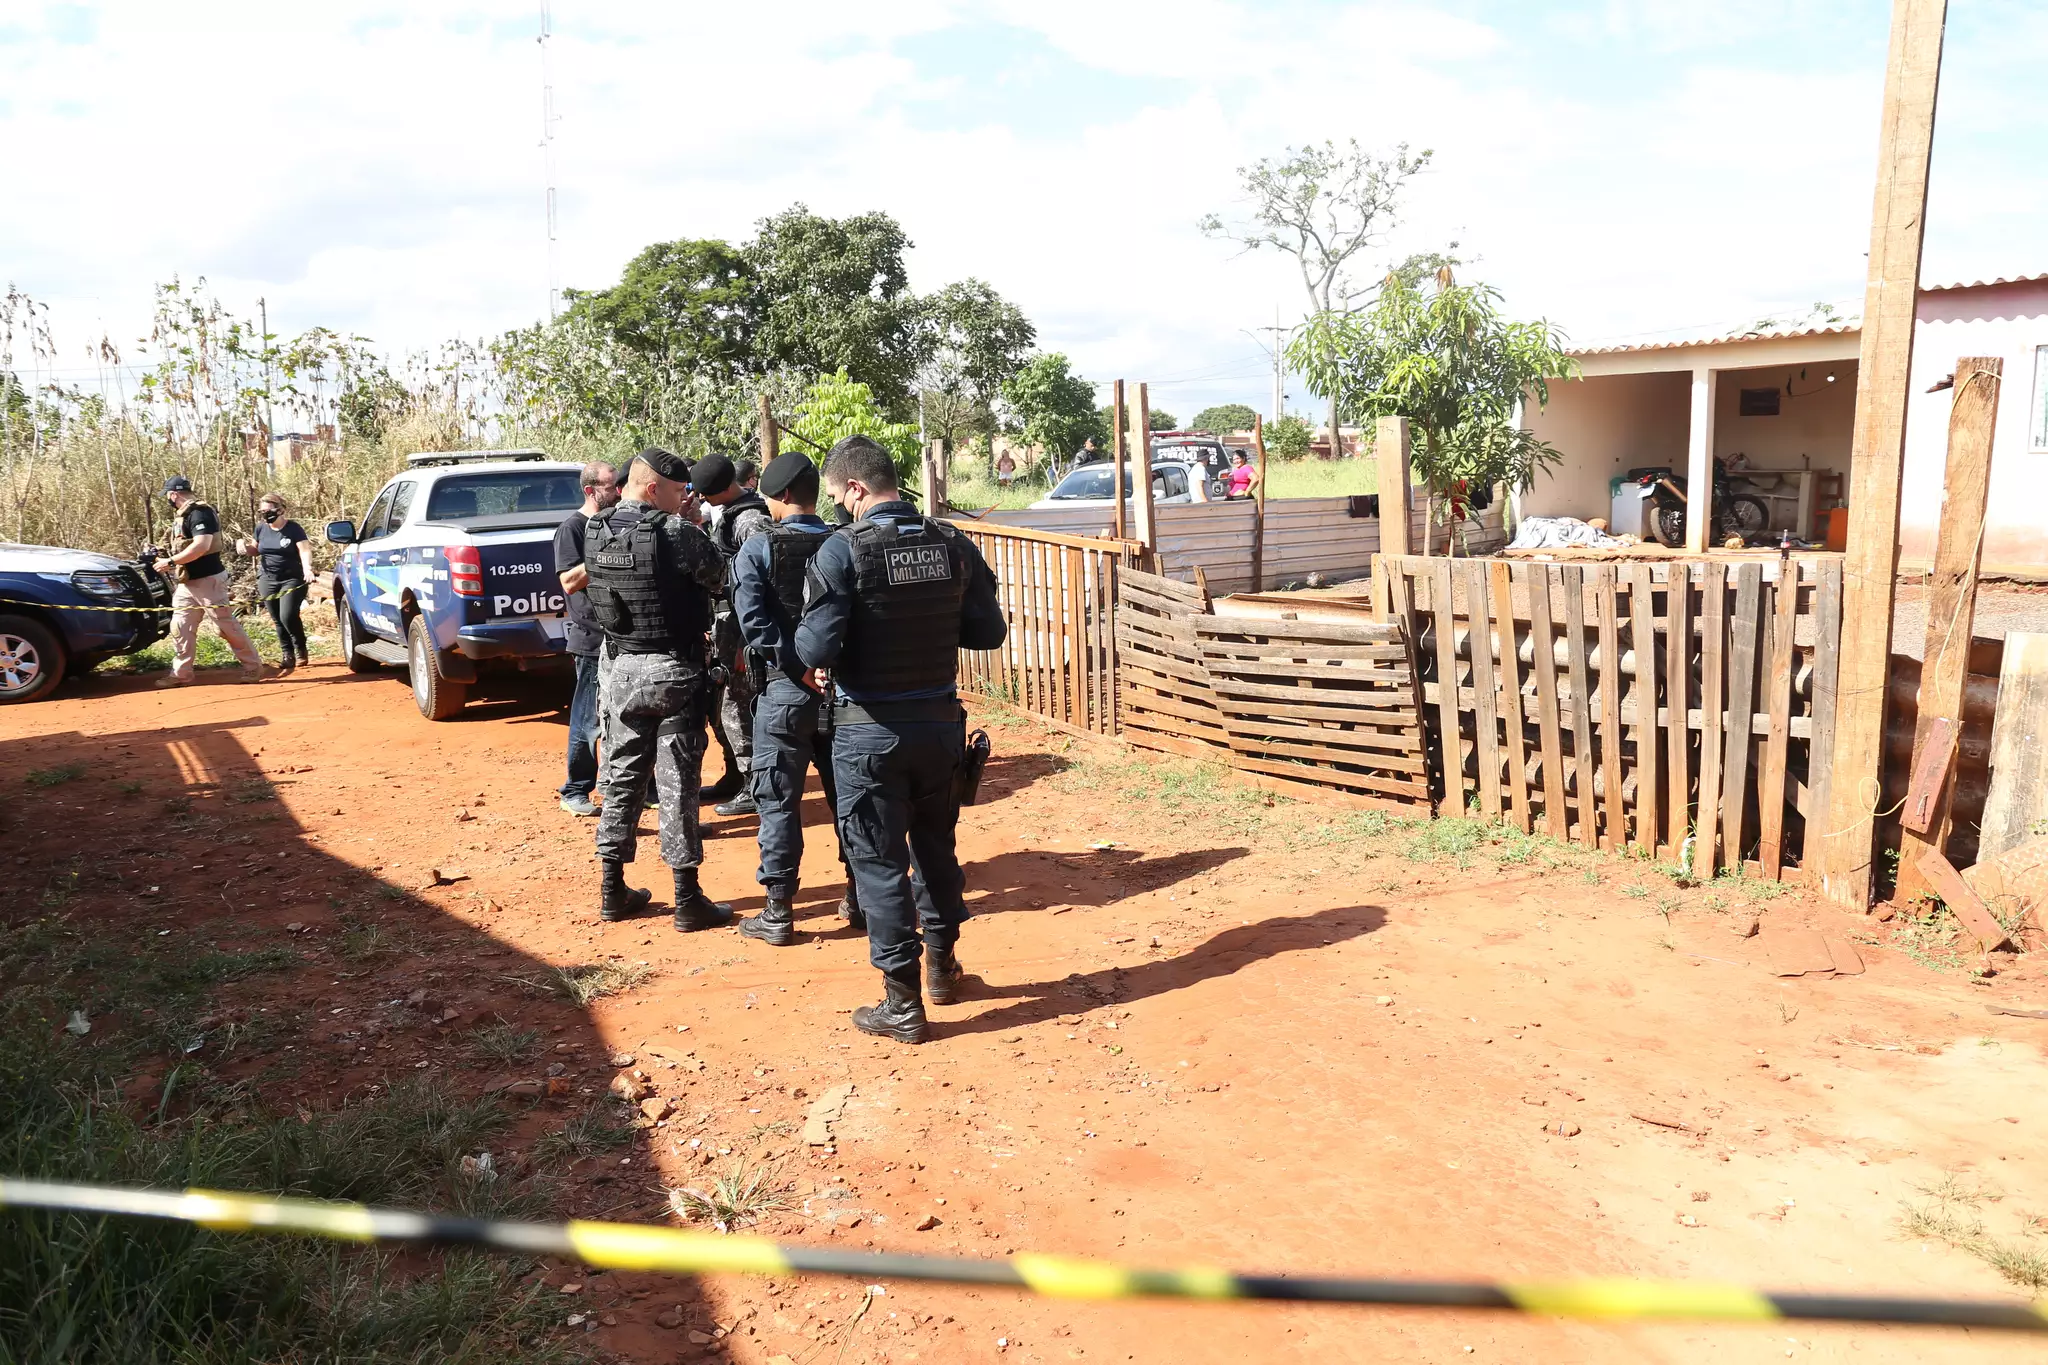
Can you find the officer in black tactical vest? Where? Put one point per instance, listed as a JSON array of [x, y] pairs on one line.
[[790, 736], [652, 577], [890, 601], [741, 515]]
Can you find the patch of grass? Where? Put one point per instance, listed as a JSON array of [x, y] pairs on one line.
[[253, 790], [128, 788], [595, 981], [739, 1197], [1635, 891], [1932, 936], [503, 1043], [55, 777], [596, 1129], [1949, 1213]]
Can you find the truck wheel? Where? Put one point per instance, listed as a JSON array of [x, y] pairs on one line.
[[351, 636], [437, 698], [31, 659]]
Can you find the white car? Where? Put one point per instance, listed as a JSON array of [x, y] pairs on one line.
[[1091, 485]]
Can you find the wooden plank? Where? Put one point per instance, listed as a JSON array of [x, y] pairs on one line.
[[1952, 588], [1510, 669], [1642, 629], [1742, 652], [1544, 662], [1941, 877], [1610, 703], [1678, 656], [1930, 775], [1449, 748], [1302, 772], [1827, 657], [1259, 506], [2018, 799], [1777, 703], [1391, 447], [1262, 725], [1381, 699], [1572, 581], [1147, 528], [1713, 688], [1877, 445], [1119, 455], [1258, 744], [1397, 728], [1485, 714]]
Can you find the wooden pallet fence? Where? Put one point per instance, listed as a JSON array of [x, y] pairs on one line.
[[1323, 710], [1633, 705], [1059, 596]]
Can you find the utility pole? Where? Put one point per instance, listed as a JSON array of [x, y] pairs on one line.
[[1278, 351], [269, 422], [547, 152]]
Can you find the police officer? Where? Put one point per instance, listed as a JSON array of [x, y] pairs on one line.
[[790, 736], [739, 515], [890, 600], [652, 574]]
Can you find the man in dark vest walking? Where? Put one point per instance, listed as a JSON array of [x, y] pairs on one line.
[[652, 574], [890, 602], [790, 735]]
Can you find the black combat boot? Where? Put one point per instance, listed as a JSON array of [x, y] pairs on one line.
[[694, 909], [725, 788], [850, 911], [775, 925], [943, 976], [742, 804], [618, 900], [901, 1013]]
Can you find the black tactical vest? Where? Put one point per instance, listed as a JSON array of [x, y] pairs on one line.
[[909, 580], [729, 520], [790, 551], [637, 594]]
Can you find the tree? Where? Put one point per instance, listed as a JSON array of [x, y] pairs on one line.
[[837, 407], [1162, 420], [835, 295], [1226, 417], [1443, 357], [1289, 438], [971, 340], [687, 305], [1053, 409], [1322, 206]]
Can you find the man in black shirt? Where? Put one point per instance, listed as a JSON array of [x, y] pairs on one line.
[[600, 490], [202, 587]]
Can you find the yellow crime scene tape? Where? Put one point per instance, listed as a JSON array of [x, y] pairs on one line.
[[630, 1246]]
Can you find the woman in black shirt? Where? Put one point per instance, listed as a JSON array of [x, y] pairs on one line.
[[285, 567]]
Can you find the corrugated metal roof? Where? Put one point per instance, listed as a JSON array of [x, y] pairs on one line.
[[1986, 284]]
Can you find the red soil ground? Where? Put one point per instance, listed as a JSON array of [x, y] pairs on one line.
[[1245, 1034]]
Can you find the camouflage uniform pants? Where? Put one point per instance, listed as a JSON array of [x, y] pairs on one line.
[[736, 704], [651, 728]]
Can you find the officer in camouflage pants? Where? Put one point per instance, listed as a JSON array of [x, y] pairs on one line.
[[742, 515], [652, 572]]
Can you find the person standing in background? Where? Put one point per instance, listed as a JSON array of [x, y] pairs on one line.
[[284, 568], [600, 490], [747, 475], [201, 587]]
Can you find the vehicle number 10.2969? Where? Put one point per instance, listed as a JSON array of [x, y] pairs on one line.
[[507, 570]]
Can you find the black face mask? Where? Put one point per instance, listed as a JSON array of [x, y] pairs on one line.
[[270, 513]]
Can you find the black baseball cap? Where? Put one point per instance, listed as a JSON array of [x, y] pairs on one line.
[[177, 483]]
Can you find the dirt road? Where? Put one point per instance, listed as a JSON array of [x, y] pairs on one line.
[[1210, 1029]]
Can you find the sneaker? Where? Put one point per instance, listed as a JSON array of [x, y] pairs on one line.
[[576, 803], [305, 662], [172, 681], [256, 674]]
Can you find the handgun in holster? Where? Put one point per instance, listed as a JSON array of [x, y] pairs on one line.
[[973, 761]]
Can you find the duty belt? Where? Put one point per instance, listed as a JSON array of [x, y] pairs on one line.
[[882, 712]]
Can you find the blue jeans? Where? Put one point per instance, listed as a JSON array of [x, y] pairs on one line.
[[583, 729]]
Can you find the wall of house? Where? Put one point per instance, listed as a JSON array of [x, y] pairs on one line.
[[1605, 425], [1814, 423], [2009, 321]]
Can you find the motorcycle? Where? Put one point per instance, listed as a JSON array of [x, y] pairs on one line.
[[1735, 514]]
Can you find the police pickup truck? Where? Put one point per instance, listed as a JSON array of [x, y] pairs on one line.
[[453, 569]]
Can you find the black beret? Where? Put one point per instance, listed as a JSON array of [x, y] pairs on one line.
[[666, 463], [711, 475], [785, 469]]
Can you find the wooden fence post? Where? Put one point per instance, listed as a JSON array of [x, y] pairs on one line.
[[1141, 477], [1390, 442], [1259, 507], [1118, 453], [1952, 595], [931, 481], [1877, 448], [770, 434]]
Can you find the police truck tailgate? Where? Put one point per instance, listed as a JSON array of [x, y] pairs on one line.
[[519, 578]]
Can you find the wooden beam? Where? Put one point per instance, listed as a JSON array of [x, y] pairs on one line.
[[2019, 748], [1391, 443], [1118, 453], [1699, 465], [1259, 508], [1942, 878], [1952, 591], [1141, 474], [1877, 446], [770, 435]]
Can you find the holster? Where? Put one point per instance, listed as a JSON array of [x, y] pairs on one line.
[[973, 762]]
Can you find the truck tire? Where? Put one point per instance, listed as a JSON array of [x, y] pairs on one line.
[[31, 659], [352, 635], [436, 696]]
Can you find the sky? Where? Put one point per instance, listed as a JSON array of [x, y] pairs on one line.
[[1627, 169]]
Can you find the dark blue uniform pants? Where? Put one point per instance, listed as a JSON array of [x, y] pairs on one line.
[[788, 743], [896, 805]]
